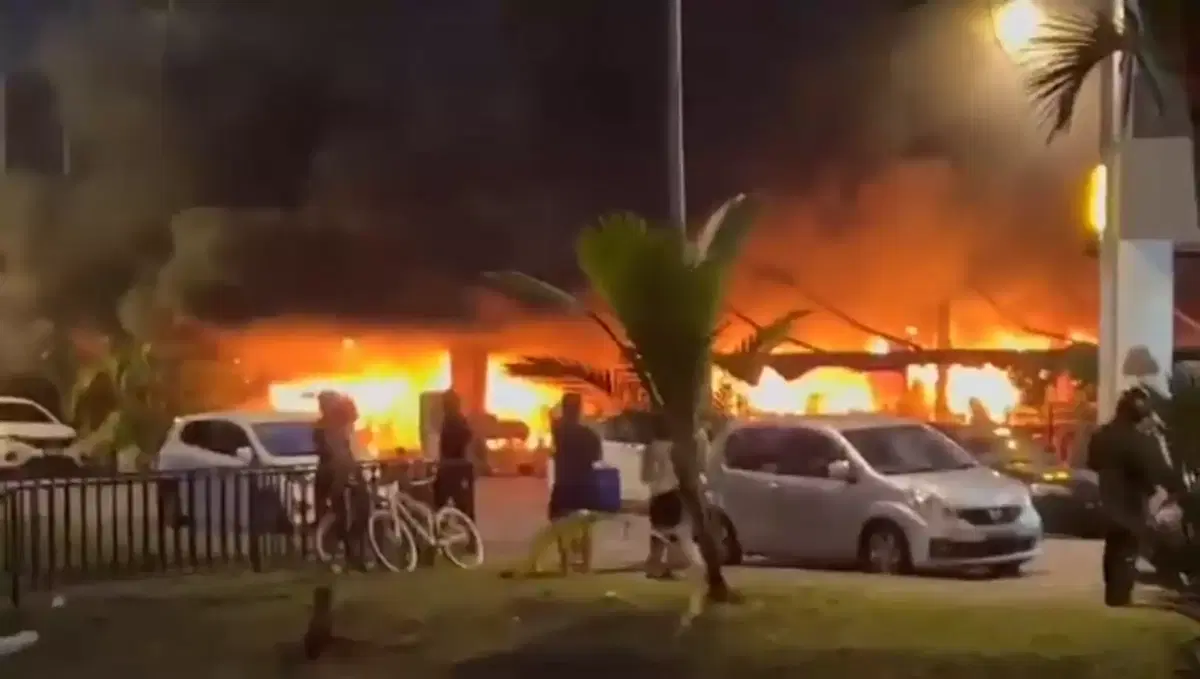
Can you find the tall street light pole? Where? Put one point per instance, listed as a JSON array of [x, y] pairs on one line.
[[1112, 119], [676, 164], [1135, 339]]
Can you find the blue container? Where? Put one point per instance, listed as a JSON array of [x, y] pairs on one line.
[[607, 483]]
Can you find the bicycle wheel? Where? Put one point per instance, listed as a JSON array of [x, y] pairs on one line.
[[458, 538], [392, 541]]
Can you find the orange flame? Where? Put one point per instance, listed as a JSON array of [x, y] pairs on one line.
[[824, 390], [388, 398], [841, 390], [512, 398]]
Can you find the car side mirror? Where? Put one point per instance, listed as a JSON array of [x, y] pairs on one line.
[[246, 453], [840, 470]]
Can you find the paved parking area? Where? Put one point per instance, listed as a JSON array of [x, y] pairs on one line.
[[511, 510]]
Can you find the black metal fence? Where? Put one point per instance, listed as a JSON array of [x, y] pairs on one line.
[[57, 532]]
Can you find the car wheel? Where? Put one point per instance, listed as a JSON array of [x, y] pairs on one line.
[[1006, 570], [883, 548]]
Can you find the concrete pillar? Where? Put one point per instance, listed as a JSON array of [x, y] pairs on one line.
[[468, 377], [1151, 208], [1137, 319]]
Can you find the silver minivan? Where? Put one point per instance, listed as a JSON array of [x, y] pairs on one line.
[[888, 494]]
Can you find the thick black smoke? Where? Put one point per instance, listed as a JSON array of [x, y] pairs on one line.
[[256, 159]]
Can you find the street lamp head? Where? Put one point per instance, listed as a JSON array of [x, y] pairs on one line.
[[1016, 24]]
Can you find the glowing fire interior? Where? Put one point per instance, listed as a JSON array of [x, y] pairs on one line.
[[388, 395], [833, 390]]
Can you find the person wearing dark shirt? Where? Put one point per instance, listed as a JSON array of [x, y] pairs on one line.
[[1128, 457], [339, 485], [577, 449], [455, 480], [576, 452]]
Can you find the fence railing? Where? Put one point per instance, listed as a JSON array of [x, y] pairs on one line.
[[56, 532]]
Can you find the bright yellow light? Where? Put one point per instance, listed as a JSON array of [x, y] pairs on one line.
[[1097, 196], [1016, 24]]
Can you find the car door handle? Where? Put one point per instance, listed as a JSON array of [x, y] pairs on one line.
[[773, 485]]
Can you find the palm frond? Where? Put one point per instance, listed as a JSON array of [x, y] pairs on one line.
[[725, 231], [747, 362], [1070, 46], [549, 368], [1060, 58], [769, 336], [786, 340], [529, 290]]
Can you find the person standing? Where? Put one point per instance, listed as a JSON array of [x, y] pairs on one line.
[[1128, 456], [339, 485], [455, 480], [666, 504], [577, 450]]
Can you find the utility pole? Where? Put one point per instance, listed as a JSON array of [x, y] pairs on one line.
[[676, 165], [941, 401]]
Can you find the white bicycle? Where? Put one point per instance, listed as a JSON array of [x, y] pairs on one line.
[[393, 530]]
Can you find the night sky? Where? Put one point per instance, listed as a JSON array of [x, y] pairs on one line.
[[374, 161]]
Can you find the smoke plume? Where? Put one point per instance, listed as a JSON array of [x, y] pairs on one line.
[[244, 162]]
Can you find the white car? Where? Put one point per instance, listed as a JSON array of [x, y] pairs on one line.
[[887, 494], [623, 439], [32, 439], [208, 442], [239, 439]]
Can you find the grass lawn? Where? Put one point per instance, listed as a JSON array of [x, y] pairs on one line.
[[452, 624]]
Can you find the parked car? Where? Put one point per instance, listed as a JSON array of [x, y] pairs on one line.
[[33, 442], [219, 441], [888, 494], [1067, 499]]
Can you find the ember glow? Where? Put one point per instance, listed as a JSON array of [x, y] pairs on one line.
[[388, 394], [824, 390], [513, 398], [832, 390]]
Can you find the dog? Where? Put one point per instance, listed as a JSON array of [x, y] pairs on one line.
[[569, 537]]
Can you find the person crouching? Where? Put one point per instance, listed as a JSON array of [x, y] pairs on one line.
[[666, 505]]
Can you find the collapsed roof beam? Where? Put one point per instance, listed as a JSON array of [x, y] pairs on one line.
[[779, 277]]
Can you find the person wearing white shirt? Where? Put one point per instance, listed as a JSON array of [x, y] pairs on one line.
[[666, 505]]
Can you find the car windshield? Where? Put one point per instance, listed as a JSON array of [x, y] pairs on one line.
[[908, 449], [287, 439]]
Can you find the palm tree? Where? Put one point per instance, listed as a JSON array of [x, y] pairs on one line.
[[1075, 40], [664, 291]]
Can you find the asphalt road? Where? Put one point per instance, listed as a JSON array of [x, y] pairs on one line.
[[510, 511]]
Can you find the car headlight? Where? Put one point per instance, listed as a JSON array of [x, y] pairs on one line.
[[930, 506]]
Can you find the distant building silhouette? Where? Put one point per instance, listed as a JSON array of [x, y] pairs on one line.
[[33, 136], [31, 131]]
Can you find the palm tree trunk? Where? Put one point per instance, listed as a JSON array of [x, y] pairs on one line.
[[685, 457]]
